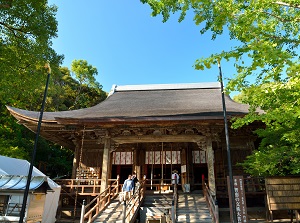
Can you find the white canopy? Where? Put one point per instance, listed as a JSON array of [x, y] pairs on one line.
[[16, 168]]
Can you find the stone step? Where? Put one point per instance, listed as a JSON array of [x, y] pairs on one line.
[[168, 198], [108, 221], [192, 208], [192, 211], [158, 201], [161, 200], [112, 213], [196, 207], [194, 218]]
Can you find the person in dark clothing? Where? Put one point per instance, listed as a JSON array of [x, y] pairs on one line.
[[135, 180]]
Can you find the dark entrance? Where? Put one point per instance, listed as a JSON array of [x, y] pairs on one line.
[[122, 170], [200, 171], [160, 174]]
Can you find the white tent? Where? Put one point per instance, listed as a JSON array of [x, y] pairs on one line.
[[13, 177]]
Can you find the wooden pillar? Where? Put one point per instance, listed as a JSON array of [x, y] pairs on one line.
[[75, 158], [210, 166], [184, 163], [142, 156], [137, 163], [190, 165], [105, 164]]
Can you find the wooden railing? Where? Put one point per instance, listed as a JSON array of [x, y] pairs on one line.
[[80, 186], [159, 184], [130, 209], [211, 203], [91, 210]]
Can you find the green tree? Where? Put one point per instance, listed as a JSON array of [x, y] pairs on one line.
[[268, 47], [279, 152], [87, 86], [26, 30], [17, 141]]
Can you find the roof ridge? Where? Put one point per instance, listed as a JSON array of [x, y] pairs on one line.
[[153, 87]]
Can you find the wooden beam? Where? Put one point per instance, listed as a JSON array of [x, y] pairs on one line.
[[162, 138]]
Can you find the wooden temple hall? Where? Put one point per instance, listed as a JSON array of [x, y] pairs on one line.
[[152, 130]]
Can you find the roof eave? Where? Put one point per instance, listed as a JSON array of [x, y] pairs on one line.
[[123, 120]]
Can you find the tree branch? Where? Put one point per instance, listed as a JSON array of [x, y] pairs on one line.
[[13, 28], [287, 4], [7, 5], [279, 18]]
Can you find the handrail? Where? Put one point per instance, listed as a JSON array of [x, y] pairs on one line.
[[102, 201], [134, 203], [211, 203], [160, 184], [82, 186]]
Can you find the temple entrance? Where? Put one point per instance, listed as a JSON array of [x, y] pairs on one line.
[[122, 170], [160, 175], [200, 172], [122, 162], [161, 172], [160, 163]]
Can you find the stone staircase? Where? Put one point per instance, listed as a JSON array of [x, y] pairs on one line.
[[155, 206], [192, 208], [112, 214]]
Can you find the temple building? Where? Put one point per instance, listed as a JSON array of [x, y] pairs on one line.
[[152, 130]]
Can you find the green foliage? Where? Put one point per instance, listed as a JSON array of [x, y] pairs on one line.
[[268, 50], [18, 142], [26, 31], [279, 149], [87, 86]]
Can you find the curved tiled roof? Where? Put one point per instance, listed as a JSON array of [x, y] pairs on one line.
[[149, 102]]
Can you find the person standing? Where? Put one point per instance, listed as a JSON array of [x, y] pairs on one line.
[[175, 177], [127, 187], [135, 180]]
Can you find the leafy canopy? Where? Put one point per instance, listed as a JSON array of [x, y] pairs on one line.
[[26, 31], [268, 35]]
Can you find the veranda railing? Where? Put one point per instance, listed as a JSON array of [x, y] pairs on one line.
[[91, 210], [211, 203], [130, 208]]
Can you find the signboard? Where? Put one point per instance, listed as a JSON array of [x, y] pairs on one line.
[[239, 199], [183, 169]]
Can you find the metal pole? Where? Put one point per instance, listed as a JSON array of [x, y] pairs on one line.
[[234, 217], [22, 213], [82, 212]]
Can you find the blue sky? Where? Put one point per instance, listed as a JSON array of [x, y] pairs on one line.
[[128, 46]]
